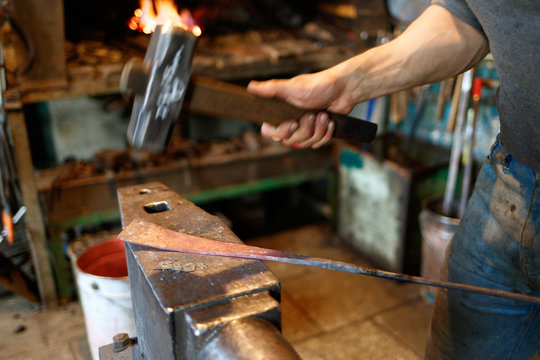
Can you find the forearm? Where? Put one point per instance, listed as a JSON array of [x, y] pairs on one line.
[[435, 47]]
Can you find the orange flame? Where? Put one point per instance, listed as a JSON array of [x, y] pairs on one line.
[[145, 19]]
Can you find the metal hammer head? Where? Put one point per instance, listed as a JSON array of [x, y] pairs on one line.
[[159, 83]]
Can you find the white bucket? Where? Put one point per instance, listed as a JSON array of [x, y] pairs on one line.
[[104, 292]]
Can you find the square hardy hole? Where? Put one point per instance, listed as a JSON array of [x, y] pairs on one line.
[[157, 207]]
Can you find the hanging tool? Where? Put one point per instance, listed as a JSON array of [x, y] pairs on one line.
[[370, 109], [8, 231], [451, 123], [468, 152], [9, 190], [7, 221], [393, 114], [455, 153], [444, 93], [441, 99], [419, 110], [398, 107], [149, 234]]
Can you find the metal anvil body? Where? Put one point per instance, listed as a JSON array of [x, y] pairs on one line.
[[195, 306]]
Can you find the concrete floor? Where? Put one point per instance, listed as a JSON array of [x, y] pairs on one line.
[[326, 314]]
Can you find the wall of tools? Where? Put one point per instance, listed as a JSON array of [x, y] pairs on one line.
[[78, 51], [87, 71], [431, 142]]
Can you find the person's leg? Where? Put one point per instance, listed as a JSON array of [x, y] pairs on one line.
[[497, 245]]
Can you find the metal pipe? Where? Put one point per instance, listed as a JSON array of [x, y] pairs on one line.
[[455, 154], [153, 236], [470, 132]]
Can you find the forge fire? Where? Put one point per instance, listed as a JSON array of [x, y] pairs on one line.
[[161, 12]]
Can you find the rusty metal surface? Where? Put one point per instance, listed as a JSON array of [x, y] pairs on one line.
[[154, 236], [166, 270], [181, 301]]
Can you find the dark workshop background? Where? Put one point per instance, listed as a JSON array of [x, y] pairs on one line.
[[67, 123]]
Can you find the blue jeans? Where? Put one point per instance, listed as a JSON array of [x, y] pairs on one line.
[[497, 245]]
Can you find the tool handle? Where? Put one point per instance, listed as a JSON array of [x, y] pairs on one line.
[[352, 129], [477, 88], [452, 116], [217, 98], [7, 223]]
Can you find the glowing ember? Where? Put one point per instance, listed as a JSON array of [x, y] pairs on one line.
[[161, 12]]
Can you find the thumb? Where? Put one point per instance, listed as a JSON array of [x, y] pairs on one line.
[[268, 88]]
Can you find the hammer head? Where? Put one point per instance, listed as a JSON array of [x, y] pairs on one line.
[[159, 83]]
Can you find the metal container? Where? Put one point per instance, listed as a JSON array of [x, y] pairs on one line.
[[437, 231], [102, 282], [380, 190]]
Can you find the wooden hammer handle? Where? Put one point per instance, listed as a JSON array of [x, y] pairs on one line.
[[217, 98], [450, 126]]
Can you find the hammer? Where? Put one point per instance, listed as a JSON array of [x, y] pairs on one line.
[[161, 81]]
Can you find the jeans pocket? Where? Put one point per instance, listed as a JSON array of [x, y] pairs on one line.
[[495, 147], [499, 156]]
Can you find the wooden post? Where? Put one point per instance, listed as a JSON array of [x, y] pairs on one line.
[[34, 218], [43, 23]]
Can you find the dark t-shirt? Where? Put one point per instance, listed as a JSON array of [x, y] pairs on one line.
[[512, 29]]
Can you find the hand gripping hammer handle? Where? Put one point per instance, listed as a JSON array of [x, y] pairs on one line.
[[162, 80], [218, 98]]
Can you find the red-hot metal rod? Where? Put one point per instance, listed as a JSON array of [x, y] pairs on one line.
[[154, 236]]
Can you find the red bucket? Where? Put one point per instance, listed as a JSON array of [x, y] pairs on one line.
[[104, 292], [106, 259]]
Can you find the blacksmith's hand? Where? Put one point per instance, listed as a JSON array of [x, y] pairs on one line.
[[317, 91]]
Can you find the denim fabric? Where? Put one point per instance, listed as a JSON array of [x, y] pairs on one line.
[[497, 245]]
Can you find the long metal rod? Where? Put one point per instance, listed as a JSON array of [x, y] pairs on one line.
[[455, 155], [148, 234], [470, 131]]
